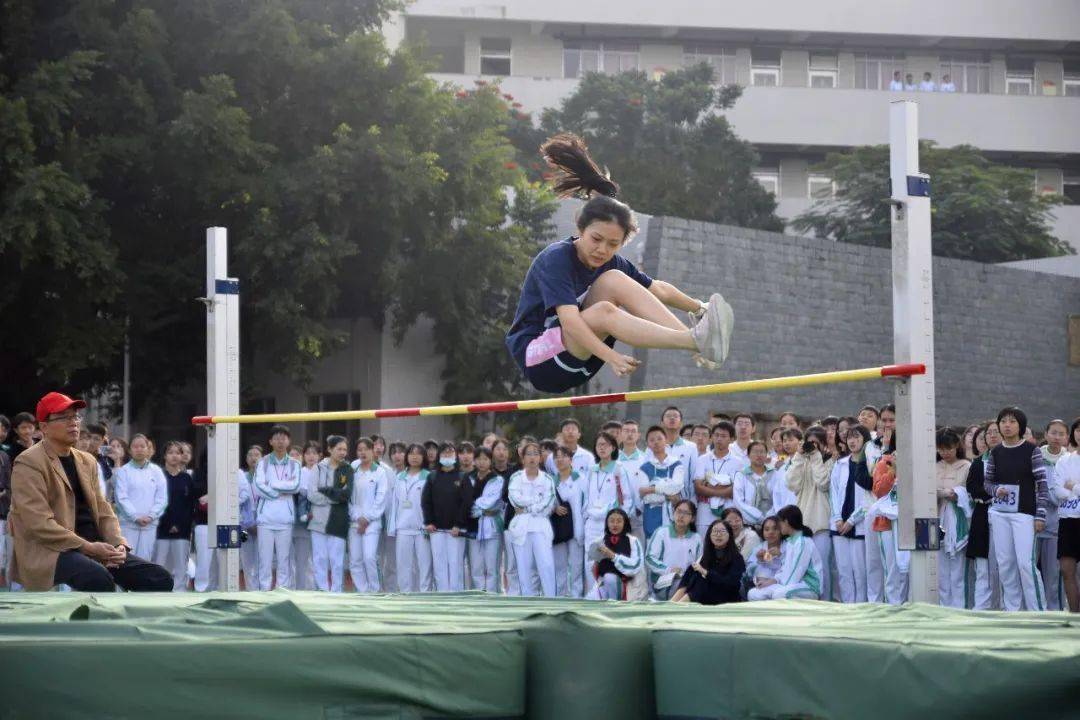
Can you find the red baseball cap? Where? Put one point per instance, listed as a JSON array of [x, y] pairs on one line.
[[55, 402]]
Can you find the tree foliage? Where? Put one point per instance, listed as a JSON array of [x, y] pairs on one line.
[[350, 182], [980, 210], [665, 141]]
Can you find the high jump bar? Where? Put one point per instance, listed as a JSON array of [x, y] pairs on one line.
[[727, 388]]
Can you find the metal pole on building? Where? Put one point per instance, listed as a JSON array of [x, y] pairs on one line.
[[913, 341], [223, 392]]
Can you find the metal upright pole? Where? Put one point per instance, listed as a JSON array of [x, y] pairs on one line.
[[913, 342], [223, 394]]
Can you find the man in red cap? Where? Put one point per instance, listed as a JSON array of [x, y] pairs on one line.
[[64, 531]]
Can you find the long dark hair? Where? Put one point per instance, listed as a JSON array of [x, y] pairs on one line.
[[713, 558], [792, 515], [576, 174]]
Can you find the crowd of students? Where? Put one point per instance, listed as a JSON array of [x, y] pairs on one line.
[[706, 513]]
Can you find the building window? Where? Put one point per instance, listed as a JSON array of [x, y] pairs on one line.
[[968, 74], [820, 187], [1070, 188], [822, 71], [765, 67], [580, 57], [721, 59], [330, 402], [769, 179], [875, 72], [494, 56], [1072, 78], [1020, 77]]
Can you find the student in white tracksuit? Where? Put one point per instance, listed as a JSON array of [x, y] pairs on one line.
[[277, 481], [753, 485], [768, 559], [1067, 493], [619, 559], [672, 549], [329, 488], [366, 508], [302, 551], [249, 548], [500, 455], [569, 554], [485, 538], [630, 458], [532, 493], [141, 496], [781, 494], [1057, 433], [800, 574], [850, 487], [1015, 479], [407, 524], [954, 509], [605, 488], [713, 475]]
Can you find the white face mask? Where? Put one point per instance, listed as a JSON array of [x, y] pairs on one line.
[[447, 462]]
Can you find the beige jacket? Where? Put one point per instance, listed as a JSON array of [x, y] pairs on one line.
[[42, 518], [808, 477]]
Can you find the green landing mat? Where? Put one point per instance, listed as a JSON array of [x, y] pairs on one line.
[[303, 655]]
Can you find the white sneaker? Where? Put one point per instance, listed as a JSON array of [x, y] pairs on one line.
[[712, 334]]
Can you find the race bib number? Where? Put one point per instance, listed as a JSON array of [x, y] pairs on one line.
[[1070, 505], [1008, 502]]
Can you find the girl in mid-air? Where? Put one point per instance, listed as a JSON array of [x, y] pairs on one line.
[[579, 296]]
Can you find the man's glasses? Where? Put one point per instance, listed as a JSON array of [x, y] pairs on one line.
[[72, 418]]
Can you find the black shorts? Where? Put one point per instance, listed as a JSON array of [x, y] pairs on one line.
[[551, 368], [1069, 538]]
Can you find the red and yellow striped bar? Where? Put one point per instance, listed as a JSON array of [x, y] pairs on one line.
[[728, 388]]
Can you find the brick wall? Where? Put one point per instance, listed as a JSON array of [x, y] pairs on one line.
[[806, 305]]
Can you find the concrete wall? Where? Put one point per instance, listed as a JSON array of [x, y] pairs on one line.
[[827, 306], [1045, 20]]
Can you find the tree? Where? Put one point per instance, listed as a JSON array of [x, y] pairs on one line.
[[351, 183], [980, 210], [665, 141]]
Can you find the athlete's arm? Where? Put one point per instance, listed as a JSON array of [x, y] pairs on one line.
[[672, 296]]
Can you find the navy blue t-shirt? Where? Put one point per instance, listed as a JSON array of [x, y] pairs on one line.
[[556, 277]]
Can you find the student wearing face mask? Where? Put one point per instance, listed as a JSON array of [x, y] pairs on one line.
[[447, 505]]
